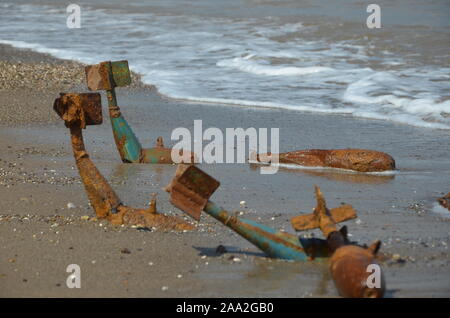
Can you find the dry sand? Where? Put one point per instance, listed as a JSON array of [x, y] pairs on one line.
[[40, 236]]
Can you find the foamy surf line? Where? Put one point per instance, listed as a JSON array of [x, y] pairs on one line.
[[331, 169], [57, 53], [355, 112]]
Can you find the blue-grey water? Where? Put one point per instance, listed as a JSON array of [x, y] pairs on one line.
[[316, 56]]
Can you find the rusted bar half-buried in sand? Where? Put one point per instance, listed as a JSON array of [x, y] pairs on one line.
[[77, 111], [349, 264], [361, 160], [190, 190], [107, 76], [445, 201]]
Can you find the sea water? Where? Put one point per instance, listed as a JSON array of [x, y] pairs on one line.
[[314, 56]]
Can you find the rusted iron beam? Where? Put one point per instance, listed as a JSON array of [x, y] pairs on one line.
[[77, 111], [107, 76], [445, 201], [349, 263], [361, 160]]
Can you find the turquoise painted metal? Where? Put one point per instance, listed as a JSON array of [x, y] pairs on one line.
[[274, 243], [190, 190], [129, 147], [106, 76]]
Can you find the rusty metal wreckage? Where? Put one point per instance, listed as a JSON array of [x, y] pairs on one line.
[[109, 75], [191, 189], [78, 111]]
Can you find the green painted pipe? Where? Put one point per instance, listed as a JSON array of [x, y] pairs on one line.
[[274, 243], [107, 76]]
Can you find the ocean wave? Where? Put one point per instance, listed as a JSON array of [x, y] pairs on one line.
[[239, 62], [58, 53], [249, 66]]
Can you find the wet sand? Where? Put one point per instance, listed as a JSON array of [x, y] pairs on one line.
[[40, 236]]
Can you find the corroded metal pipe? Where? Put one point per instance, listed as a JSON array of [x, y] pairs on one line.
[[445, 201], [106, 76], [362, 160], [190, 190], [77, 111], [274, 243]]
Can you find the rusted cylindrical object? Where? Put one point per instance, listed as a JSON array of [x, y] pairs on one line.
[[445, 201], [362, 160], [102, 197], [107, 204], [349, 269]]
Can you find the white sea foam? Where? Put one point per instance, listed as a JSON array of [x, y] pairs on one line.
[[59, 53], [247, 65], [256, 62], [318, 168]]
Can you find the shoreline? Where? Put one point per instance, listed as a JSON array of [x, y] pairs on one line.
[[38, 179], [137, 83]]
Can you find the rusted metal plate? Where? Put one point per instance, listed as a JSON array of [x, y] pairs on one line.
[[190, 189], [121, 73], [85, 108], [310, 221], [98, 77], [92, 107], [107, 75]]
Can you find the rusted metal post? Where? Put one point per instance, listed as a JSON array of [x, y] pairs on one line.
[[190, 190], [349, 264], [361, 160], [106, 76], [77, 111], [445, 201]]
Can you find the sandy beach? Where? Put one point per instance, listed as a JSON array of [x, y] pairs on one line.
[[40, 235]]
